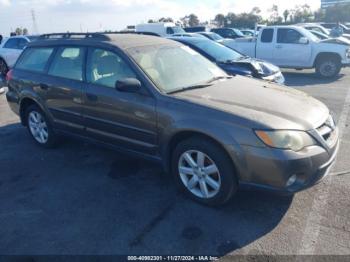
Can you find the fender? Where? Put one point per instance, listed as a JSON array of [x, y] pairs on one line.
[[188, 127]]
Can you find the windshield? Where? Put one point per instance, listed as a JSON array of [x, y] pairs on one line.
[[173, 67], [238, 32], [215, 37], [33, 38], [178, 30], [219, 52], [309, 35]]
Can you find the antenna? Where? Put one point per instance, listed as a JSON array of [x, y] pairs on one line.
[[35, 26]]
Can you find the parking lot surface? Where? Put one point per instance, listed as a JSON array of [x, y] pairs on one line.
[[84, 199]]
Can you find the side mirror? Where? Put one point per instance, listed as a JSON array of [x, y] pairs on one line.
[[303, 41], [130, 85]]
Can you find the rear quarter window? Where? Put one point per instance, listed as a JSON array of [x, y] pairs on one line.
[[34, 59], [267, 35]]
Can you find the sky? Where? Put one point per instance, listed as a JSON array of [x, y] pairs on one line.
[[95, 15]]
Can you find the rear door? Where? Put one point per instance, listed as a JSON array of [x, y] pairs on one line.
[[265, 46], [62, 88], [123, 119]]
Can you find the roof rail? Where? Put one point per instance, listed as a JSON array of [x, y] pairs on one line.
[[97, 36]]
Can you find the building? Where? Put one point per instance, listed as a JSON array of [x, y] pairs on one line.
[[327, 3]]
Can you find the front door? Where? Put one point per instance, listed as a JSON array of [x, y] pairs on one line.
[[126, 120], [289, 51]]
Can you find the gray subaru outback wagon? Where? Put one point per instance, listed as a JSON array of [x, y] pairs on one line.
[[161, 100]]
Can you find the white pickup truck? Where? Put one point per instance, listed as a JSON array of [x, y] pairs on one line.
[[295, 47]]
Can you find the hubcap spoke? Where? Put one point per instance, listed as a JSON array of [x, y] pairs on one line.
[[186, 171], [204, 188], [190, 160], [192, 182], [200, 159], [212, 183], [212, 169]]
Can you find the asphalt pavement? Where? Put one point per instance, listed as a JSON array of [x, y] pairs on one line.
[[84, 199]]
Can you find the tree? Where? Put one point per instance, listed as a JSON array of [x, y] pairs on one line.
[[220, 20], [286, 14], [302, 13], [166, 19], [274, 17], [193, 20], [255, 11], [25, 31], [19, 31], [338, 13], [190, 20]]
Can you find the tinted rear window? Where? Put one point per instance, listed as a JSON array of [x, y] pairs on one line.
[[267, 36], [35, 59], [68, 63]]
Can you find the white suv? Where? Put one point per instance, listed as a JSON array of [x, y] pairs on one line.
[[10, 49]]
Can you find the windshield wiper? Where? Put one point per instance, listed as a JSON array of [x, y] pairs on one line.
[[216, 78], [189, 88]]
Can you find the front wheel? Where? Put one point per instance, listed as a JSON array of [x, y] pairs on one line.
[[328, 67], [39, 127], [204, 172]]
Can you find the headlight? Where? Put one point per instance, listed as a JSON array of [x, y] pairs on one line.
[[277, 78], [286, 139]]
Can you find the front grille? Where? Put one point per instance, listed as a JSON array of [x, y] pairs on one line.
[[328, 131]]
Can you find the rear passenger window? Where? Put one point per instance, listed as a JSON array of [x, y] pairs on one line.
[[267, 36], [68, 63], [105, 68], [34, 59]]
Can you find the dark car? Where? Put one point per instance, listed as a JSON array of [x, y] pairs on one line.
[[195, 29], [159, 99], [226, 32], [231, 61]]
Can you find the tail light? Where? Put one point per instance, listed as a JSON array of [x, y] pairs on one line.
[[9, 76]]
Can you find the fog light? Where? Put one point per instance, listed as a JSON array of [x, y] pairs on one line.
[[291, 180]]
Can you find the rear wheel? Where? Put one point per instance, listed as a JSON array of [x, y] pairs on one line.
[[204, 172], [3, 67], [328, 67], [39, 127]]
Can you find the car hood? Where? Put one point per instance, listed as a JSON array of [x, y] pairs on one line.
[[260, 104], [339, 40]]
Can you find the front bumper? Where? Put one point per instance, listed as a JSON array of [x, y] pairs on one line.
[[270, 169]]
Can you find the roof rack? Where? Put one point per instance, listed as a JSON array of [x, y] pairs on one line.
[[97, 36]]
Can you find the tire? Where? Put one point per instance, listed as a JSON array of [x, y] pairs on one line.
[[39, 127], [190, 176], [3, 67], [328, 67]]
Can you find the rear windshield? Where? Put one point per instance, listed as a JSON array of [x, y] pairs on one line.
[[34, 59]]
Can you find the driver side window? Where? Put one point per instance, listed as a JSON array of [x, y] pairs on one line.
[[288, 36], [106, 68]]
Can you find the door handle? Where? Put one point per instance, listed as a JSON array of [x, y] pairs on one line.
[[44, 87], [91, 97], [278, 46]]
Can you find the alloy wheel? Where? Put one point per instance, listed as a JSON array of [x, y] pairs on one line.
[[199, 174], [38, 127], [328, 69]]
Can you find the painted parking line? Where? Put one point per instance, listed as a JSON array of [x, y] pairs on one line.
[[313, 224]]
